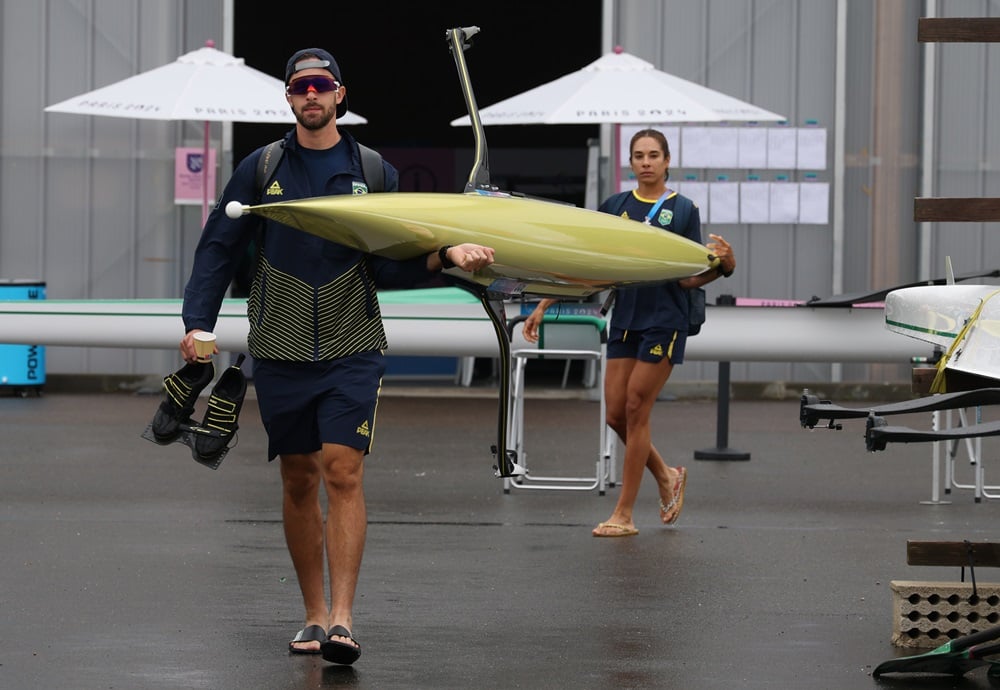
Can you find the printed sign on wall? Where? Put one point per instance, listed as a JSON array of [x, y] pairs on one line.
[[189, 167]]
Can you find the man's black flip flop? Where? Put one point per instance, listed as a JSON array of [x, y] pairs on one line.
[[340, 652], [310, 633]]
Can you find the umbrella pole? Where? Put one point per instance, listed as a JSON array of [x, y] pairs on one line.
[[616, 160], [204, 177]]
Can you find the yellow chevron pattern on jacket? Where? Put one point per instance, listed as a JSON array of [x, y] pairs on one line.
[[291, 320]]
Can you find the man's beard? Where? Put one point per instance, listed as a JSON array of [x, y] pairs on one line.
[[317, 119]]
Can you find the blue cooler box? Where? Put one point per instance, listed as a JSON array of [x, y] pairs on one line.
[[22, 365]]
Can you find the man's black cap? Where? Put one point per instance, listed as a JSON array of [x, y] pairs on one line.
[[315, 58]]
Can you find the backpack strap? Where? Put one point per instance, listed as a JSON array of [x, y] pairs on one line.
[[267, 164], [371, 169], [682, 211], [618, 202], [696, 296]]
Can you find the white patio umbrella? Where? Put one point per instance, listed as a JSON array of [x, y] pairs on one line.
[[206, 84], [619, 88]]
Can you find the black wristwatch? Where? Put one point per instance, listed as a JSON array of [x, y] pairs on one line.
[[718, 269], [443, 255]]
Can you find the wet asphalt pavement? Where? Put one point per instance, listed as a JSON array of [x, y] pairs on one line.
[[128, 565]]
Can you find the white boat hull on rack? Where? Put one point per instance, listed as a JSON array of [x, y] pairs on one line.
[[458, 326]]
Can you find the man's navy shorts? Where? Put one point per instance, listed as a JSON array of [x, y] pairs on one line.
[[306, 404], [650, 345]]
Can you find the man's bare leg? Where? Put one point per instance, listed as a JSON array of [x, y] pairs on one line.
[[303, 523], [346, 529]]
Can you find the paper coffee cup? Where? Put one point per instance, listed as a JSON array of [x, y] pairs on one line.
[[204, 345]]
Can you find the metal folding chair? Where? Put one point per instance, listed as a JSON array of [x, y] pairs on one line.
[[566, 337]]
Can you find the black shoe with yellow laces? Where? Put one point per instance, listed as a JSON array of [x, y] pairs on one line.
[[212, 436], [181, 391]]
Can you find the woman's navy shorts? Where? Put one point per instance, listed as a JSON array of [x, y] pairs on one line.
[[650, 345], [306, 404]]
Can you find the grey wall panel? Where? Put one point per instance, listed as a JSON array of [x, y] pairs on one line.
[[639, 27], [157, 233], [782, 55], [726, 58], [778, 54], [20, 243], [86, 203], [112, 264], [967, 145], [775, 56], [67, 245], [857, 146], [817, 49]]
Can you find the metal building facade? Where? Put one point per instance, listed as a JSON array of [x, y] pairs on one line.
[[86, 203], [894, 110]]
